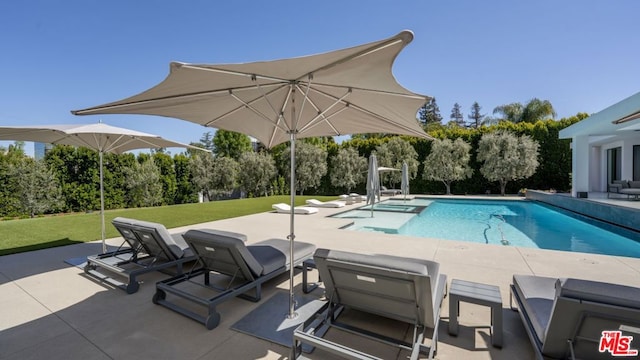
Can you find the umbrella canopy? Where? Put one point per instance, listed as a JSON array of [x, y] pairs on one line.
[[346, 91], [100, 137], [341, 92], [373, 182], [404, 185]]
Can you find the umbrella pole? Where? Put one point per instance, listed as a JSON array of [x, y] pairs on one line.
[[104, 245], [292, 305]]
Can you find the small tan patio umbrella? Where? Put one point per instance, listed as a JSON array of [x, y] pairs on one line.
[[346, 91], [100, 137]]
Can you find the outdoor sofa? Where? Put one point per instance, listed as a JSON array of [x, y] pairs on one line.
[[566, 318], [624, 187], [147, 247], [228, 269], [404, 289]]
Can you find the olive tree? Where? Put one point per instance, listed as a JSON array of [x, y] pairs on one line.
[[311, 165], [507, 157], [201, 166], [224, 175], [392, 154], [143, 183], [448, 161], [36, 186], [213, 176], [348, 169], [258, 170]]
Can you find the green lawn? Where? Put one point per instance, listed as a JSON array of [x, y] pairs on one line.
[[44, 232]]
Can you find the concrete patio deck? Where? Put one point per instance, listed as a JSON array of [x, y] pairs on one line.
[[50, 310]]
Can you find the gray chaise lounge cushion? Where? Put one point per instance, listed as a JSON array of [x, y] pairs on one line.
[[537, 293], [393, 283], [600, 292], [175, 243], [223, 252], [275, 253]]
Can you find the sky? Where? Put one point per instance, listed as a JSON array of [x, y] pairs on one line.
[[62, 55]]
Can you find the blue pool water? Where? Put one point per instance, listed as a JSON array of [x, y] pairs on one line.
[[502, 222]]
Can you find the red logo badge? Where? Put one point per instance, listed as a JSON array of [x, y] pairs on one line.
[[617, 344]]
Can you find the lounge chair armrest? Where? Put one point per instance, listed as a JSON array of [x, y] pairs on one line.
[[614, 188]]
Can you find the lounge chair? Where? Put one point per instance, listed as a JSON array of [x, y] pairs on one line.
[[389, 192], [565, 318], [357, 197], [239, 269], [325, 204], [348, 200], [404, 289], [286, 209], [150, 248]]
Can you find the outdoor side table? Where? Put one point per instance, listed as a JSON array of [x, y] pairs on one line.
[[306, 265], [480, 294]]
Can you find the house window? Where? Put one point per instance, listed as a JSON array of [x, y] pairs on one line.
[[614, 164], [636, 162]]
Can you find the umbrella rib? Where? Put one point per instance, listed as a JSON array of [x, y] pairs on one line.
[[322, 113], [230, 72], [264, 96], [378, 116], [117, 144], [253, 109], [304, 101], [409, 95], [76, 137], [326, 119], [364, 52], [101, 108], [389, 121], [280, 117], [248, 105]]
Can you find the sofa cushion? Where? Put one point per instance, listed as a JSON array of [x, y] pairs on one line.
[[634, 184]]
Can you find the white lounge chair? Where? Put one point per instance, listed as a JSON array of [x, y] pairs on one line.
[[326, 204], [357, 197], [286, 209], [389, 192]]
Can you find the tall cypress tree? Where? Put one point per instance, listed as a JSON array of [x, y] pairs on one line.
[[429, 113], [456, 115], [476, 117]]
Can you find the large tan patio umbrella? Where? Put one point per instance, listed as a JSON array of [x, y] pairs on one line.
[[100, 137], [341, 92]]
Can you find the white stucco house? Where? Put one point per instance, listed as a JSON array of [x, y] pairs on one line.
[[605, 147]]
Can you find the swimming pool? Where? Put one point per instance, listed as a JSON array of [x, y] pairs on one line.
[[503, 222]]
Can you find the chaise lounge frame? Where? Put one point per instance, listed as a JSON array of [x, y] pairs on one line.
[[150, 248], [404, 289], [247, 268]]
